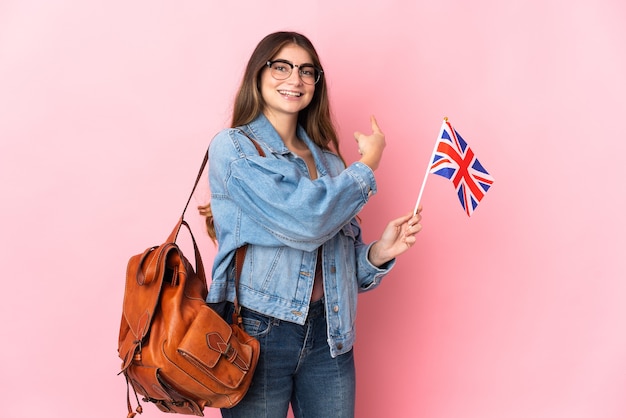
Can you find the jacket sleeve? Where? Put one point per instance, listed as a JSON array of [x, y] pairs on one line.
[[275, 193]]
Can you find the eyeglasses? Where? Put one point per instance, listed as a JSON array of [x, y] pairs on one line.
[[282, 69]]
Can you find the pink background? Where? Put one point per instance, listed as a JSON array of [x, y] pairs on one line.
[[106, 108]]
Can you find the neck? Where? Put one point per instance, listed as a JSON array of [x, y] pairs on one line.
[[286, 126]]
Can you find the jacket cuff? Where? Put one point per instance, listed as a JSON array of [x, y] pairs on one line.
[[365, 177]]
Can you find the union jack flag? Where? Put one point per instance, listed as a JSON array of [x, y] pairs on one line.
[[454, 160]]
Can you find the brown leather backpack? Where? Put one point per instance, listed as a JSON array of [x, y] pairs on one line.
[[176, 351]]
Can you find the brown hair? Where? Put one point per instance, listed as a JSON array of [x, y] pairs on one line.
[[249, 104]]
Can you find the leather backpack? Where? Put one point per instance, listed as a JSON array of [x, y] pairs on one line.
[[177, 352]]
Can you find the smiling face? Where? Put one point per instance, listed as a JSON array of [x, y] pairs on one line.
[[289, 96]]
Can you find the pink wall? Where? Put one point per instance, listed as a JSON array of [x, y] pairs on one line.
[[107, 107]]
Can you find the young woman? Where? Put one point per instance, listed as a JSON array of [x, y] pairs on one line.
[[296, 210]]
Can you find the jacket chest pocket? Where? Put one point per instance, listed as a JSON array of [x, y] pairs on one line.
[[346, 249]]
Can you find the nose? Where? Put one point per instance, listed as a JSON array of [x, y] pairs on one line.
[[295, 73]]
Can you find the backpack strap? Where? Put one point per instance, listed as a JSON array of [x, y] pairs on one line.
[[240, 253]]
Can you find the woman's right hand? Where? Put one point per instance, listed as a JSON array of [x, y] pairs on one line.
[[371, 146]]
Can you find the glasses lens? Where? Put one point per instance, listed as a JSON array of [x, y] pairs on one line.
[[309, 74], [280, 70]]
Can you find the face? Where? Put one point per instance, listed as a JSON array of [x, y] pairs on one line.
[[288, 96]]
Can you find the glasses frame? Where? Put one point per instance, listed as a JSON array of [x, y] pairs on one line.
[[318, 71]]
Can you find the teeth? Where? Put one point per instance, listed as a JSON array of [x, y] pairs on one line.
[[290, 93]]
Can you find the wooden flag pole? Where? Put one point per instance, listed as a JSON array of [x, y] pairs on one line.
[[430, 161]]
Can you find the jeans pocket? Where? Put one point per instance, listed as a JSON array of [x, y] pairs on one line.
[[256, 324]]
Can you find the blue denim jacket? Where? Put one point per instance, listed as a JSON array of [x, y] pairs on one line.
[[272, 204]]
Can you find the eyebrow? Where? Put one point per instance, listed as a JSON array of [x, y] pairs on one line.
[[299, 65]]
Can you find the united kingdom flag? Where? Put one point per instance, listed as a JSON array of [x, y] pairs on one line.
[[454, 160]]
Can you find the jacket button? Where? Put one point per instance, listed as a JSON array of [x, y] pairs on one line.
[[339, 346], [333, 269], [336, 308]]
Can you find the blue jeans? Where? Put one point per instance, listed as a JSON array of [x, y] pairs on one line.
[[295, 366]]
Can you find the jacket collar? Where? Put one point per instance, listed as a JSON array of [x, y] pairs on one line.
[[262, 130]]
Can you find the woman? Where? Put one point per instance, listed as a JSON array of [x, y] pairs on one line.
[[296, 209]]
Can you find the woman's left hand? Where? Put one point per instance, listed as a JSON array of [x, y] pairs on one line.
[[398, 236]]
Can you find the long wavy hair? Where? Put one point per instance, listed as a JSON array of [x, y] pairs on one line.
[[249, 104]]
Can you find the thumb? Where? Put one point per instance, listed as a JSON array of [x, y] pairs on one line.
[[402, 219]]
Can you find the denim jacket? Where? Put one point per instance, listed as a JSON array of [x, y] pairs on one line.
[[271, 204]]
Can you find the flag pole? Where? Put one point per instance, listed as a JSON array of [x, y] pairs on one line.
[[430, 161]]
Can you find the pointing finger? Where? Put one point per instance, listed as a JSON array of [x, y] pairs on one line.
[[375, 127]]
